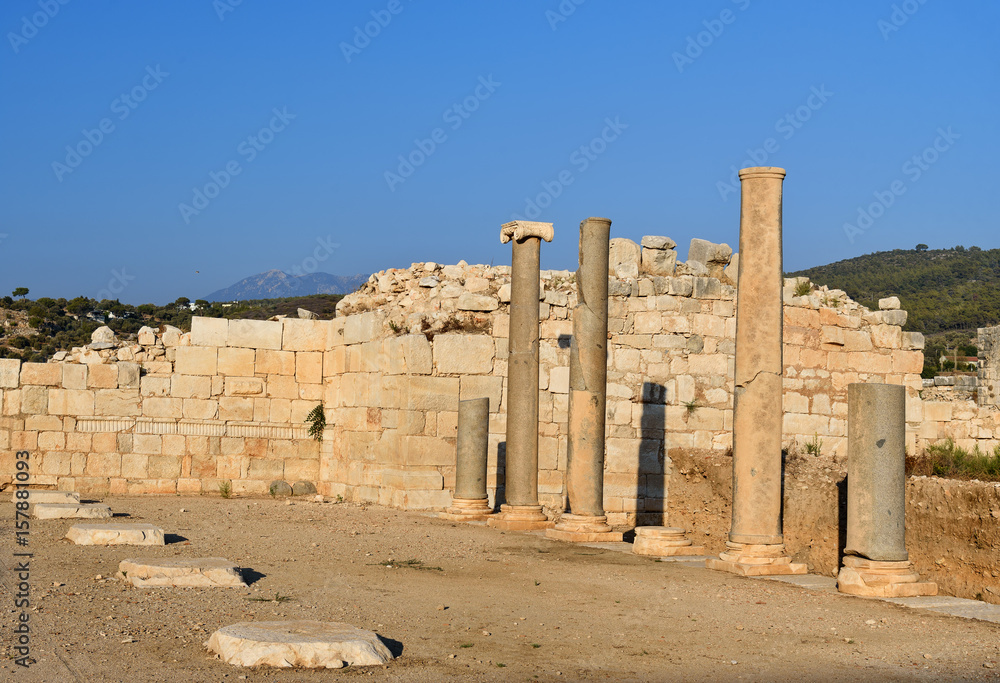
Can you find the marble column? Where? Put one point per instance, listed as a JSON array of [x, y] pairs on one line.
[[876, 563], [588, 381], [471, 501], [756, 545], [522, 511]]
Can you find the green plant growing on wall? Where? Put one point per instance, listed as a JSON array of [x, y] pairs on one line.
[[691, 406], [317, 422], [815, 446], [225, 489], [803, 289]]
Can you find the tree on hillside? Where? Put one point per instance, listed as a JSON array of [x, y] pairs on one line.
[[21, 292], [922, 247]]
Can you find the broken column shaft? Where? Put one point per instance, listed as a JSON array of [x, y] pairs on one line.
[[588, 378], [755, 543], [471, 500], [875, 559], [522, 511]]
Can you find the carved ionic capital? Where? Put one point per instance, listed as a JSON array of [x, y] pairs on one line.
[[522, 230]]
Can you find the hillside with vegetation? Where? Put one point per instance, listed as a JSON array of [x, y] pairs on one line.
[[944, 290], [34, 330]]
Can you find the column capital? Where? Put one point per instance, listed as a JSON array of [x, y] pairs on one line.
[[762, 172], [522, 230]]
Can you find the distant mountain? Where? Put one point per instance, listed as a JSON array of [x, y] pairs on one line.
[[943, 289], [276, 284]]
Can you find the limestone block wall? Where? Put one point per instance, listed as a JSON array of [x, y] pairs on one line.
[[988, 389], [416, 340], [225, 402]]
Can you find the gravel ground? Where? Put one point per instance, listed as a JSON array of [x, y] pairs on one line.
[[455, 602]]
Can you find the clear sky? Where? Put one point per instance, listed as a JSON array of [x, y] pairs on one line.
[[369, 134]]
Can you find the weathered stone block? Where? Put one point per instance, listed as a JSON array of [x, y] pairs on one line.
[[70, 401], [46, 374], [178, 572], [364, 327], [236, 361], [74, 376], [190, 386], [464, 354], [624, 258], [307, 644], [128, 375], [103, 376], [209, 331], [115, 534], [304, 335], [275, 362], [71, 511], [155, 406], [10, 372], [309, 367], [198, 360], [236, 408], [255, 334], [244, 386], [35, 400]]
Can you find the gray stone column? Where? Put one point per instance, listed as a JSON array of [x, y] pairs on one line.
[[588, 380], [875, 559], [522, 511], [755, 543], [471, 500]]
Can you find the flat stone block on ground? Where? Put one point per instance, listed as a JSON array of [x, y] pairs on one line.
[[38, 496], [468, 510], [181, 572], [755, 569], [71, 511], [584, 536], [874, 579], [520, 518], [115, 534], [309, 644]]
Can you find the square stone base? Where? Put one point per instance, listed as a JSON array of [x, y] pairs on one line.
[[584, 536], [874, 579], [466, 516], [744, 569]]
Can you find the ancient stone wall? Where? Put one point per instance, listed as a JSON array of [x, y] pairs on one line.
[[176, 412], [988, 386]]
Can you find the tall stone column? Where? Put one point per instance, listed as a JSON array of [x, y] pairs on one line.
[[875, 560], [756, 545], [471, 500], [522, 511], [588, 380]]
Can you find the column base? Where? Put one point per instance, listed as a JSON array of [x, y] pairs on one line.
[[520, 518], [664, 541], [755, 560], [583, 529], [468, 510], [874, 579]]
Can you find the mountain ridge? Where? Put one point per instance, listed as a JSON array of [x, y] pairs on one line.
[[277, 284]]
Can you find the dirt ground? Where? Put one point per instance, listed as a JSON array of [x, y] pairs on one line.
[[476, 604]]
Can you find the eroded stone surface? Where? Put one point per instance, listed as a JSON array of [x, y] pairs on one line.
[[309, 644], [72, 511], [37, 496], [181, 572], [115, 534]]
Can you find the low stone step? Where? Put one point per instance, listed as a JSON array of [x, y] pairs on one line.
[[71, 511], [115, 534], [40, 496], [181, 572], [312, 644]]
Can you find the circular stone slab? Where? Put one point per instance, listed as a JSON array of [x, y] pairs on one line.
[[72, 511], [115, 534], [181, 572], [312, 644]]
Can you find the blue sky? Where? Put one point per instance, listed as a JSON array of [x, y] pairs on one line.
[[635, 111]]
